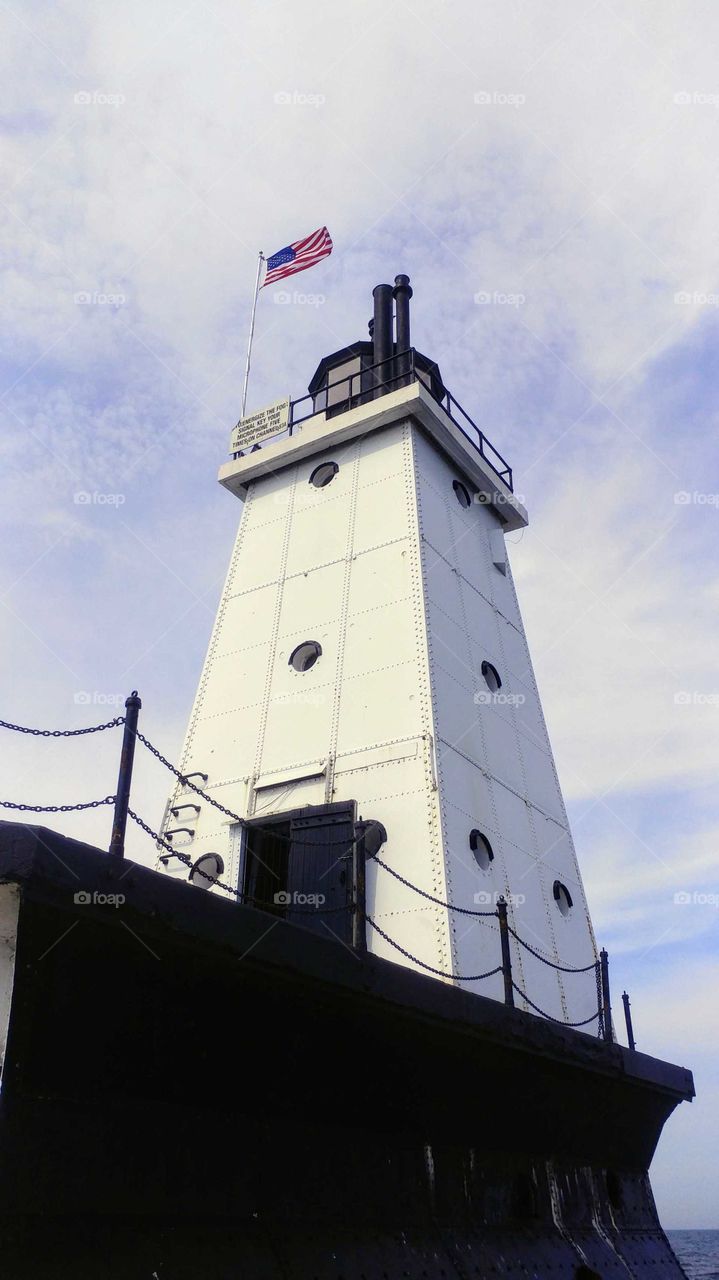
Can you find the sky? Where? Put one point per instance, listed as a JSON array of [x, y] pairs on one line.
[[545, 171]]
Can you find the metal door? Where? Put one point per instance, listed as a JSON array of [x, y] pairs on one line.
[[319, 877]]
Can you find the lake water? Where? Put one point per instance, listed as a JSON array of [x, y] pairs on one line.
[[698, 1252]]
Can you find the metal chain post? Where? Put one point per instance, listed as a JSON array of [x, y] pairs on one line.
[[628, 1019], [606, 1001], [124, 780], [506, 954]]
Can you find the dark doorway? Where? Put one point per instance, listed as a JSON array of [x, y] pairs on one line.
[[299, 866]]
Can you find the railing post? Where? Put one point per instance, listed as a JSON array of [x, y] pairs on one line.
[[359, 893], [606, 1002], [124, 780], [628, 1019], [506, 954]]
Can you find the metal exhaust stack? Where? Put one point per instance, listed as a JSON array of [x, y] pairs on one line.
[[382, 335], [402, 293]]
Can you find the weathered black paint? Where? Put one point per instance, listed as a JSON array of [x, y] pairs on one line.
[[133, 705], [193, 1089]]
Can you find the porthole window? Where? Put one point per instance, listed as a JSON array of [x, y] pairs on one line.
[[492, 677], [305, 655], [461, 493], [375, 835], [206, 870], [562, 897], [324, 474], [481, 848]]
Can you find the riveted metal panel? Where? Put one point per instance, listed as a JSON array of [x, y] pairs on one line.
[[399, 585], [495, 765]]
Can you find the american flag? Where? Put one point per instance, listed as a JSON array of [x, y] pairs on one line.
[[298, 256]]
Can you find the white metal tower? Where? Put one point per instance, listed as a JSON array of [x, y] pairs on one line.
[[369, 656]]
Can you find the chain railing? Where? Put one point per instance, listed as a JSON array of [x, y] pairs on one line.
[[56, 808], [375, 380], [62, 733], [356, 904]]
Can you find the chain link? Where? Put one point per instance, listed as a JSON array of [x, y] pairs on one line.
[[562, 967], [185, 781], [559, 1021], [600, 1001], [249, 826], [62, 733], [472, 977], [56, 808], [228, 888], [236, 893], [449, 906]]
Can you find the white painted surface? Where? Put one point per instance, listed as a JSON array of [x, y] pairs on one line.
[[407, 593]]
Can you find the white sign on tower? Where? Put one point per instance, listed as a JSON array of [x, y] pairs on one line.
[[262, 425]]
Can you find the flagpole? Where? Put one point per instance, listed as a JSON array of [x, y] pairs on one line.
[[260, 260]]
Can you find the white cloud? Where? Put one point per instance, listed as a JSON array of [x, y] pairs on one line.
[[594, 198]]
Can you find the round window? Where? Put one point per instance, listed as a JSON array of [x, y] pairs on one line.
[[324, 474], [206, 870], [305, 655], [481, 848], [562, 897], [492, 677], [375, 836], [461, 493]]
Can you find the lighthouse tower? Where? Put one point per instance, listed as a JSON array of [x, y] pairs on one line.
[[368, 664]]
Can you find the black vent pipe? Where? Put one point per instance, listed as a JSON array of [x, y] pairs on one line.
[[402, 293], [382, 335]]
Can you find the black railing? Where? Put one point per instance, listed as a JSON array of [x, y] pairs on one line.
[[373, 381], [356, 904]]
